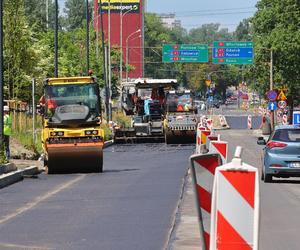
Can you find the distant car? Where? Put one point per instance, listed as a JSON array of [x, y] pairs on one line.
[[281, 156]]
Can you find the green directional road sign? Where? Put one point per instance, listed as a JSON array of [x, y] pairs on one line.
[[232, 53], [185, 53]]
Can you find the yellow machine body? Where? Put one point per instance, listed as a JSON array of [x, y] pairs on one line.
[[73, 146]]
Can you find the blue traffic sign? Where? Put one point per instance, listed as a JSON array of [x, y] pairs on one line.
[[232, 52], [296, 117], [272, 106], [272, 95]]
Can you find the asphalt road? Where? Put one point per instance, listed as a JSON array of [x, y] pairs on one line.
[[129, 206], [280, 201]]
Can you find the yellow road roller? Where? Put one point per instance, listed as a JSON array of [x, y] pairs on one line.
[[72, 138]]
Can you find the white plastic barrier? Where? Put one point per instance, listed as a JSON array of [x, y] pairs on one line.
[[249, 122], [203, 169], [235, 206], [219, 147]]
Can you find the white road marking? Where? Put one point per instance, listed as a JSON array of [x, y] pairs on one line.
[[40, 199]]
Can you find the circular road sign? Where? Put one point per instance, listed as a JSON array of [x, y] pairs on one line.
[[282, 104], [272, 95]]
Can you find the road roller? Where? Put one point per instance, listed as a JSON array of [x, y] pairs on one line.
[[71, 137], [180, 120]]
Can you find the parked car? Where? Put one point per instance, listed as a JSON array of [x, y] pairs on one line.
[[281, 155]]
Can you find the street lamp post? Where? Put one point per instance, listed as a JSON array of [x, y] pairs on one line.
[[1, 74], [121, 39], [87, 38], [127, 52]]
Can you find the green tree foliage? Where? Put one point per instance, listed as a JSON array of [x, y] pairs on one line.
[[20, 56], [276, 26], [243, 31], [75, 11], [36, 12]]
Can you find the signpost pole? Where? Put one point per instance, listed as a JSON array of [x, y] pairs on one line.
[[271, 87]]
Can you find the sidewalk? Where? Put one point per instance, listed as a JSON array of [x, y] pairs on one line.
[[187, 234]]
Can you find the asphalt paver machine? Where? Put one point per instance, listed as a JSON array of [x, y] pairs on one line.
[[144, 101]]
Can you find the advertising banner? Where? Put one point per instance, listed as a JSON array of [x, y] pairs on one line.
[[116, 6]]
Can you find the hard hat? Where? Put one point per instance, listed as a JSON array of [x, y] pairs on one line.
[[6, 108]]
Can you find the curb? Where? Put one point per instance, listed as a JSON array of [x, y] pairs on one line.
[[9, 167], [16, 176]]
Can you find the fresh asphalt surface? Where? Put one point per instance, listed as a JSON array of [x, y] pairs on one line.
[[129, 206]]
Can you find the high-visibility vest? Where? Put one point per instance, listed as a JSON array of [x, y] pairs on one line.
[[7, 128], [51, 104]]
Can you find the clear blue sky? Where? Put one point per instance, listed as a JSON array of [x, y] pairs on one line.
[[193, 13]]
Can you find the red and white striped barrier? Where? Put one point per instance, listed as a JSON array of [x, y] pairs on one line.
[[222, 121], [284, 120], [249, 122], [235, 206], [209, 124], [220, 147], [203, 169], [211, 138], [198, 141]]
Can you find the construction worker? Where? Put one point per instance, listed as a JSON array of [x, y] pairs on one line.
[[7, 130]]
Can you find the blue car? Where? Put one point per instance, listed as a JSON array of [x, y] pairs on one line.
[[281, 153]]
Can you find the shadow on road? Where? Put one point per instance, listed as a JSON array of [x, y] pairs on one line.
[[286, 181], [120, 170]]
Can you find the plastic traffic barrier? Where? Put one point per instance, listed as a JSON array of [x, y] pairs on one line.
[[249, 122], [219, 147], [203, 169], [198, 140], [235, 206], [210, 138]]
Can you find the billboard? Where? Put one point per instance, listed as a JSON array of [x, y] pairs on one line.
[[129, 13], [116, 6]]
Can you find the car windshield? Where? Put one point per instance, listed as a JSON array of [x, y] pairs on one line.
[[72, 94], [287, 135]]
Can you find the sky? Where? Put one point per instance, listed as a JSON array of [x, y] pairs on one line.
[[194, 13]]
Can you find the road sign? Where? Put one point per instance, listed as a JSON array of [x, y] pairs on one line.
[[272, 95], [272, 106], [185, 53], [281, 96], [282, 104], [232, 53], [296, 117], [207, 82]]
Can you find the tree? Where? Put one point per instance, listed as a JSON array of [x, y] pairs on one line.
[[76, 13], [276, 27], [36, 13], [19, 56], [243, 30]]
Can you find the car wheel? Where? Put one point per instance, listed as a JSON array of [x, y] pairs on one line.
[[262, 176], [267, 178]]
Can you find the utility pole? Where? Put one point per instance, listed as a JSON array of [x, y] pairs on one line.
[[121, 42], [47, 14], [1, 75], [33, 111], [104, 61], [143, 37], [109, 65], [271, 87], [56, 40], [87, 38]]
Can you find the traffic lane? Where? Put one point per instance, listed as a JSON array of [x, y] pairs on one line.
[[279, 201], [129, 206]]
